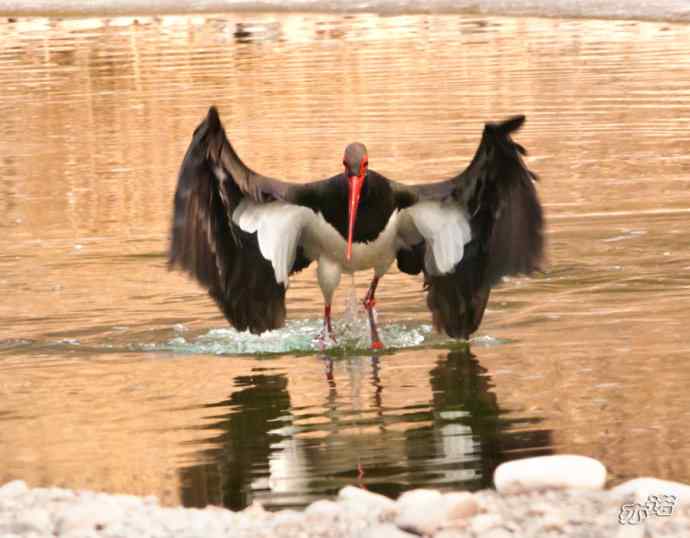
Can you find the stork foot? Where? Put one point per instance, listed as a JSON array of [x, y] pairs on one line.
[[326, 338], [369, 303], [360, 471]]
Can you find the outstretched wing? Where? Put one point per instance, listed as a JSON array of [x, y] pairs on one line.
[[495, 198], [224, 235]]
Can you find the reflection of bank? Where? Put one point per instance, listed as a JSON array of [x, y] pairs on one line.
[[286, 441]]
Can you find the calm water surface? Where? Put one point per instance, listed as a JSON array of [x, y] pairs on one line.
[[119, 376]]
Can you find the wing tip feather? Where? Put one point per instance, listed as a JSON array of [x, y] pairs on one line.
[[213, 118], [510, 125]]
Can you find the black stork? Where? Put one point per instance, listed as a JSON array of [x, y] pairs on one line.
[[242, 234]]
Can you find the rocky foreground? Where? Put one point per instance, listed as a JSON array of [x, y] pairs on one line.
[[525, 505]]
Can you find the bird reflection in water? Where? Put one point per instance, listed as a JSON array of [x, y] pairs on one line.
[[375, 381], [278, 445]]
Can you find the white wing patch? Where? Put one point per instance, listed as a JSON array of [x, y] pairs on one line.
[[446, 229], [278, 227]]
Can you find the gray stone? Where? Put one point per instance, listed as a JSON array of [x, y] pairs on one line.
[[561, 471]]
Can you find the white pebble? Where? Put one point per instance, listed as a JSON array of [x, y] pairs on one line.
[[460, 506], [323, 510], [631, 531], [561, 471], [366, 498], [422, 511], [89, 514], [450, 533], [497, 532], [641, 488], [485, 522], [385, 530], [287, 519], [425, 511], [553, 521], [13, 489], [33, 520]]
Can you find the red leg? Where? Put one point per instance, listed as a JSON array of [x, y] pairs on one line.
[[369, 303], [327, 326], [327, 319]]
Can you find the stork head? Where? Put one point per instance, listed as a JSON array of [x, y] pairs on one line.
[[356, 163]]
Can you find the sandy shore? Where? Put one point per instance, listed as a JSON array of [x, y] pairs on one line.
[[672, 10], [356, 513]]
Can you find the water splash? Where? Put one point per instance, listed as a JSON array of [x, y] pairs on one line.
[[305, 337], [489, 341], [298, 336], [352, 328]]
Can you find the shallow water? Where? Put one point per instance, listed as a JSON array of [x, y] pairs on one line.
[[120, 376]]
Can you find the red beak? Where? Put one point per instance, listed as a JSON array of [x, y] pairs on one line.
[[354, 188]]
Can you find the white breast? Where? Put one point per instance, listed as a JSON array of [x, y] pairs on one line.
[[282, 227], [321, 239]]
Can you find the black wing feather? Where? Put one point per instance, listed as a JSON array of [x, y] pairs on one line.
[[206, 243], [507, 215], [497, 189]]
